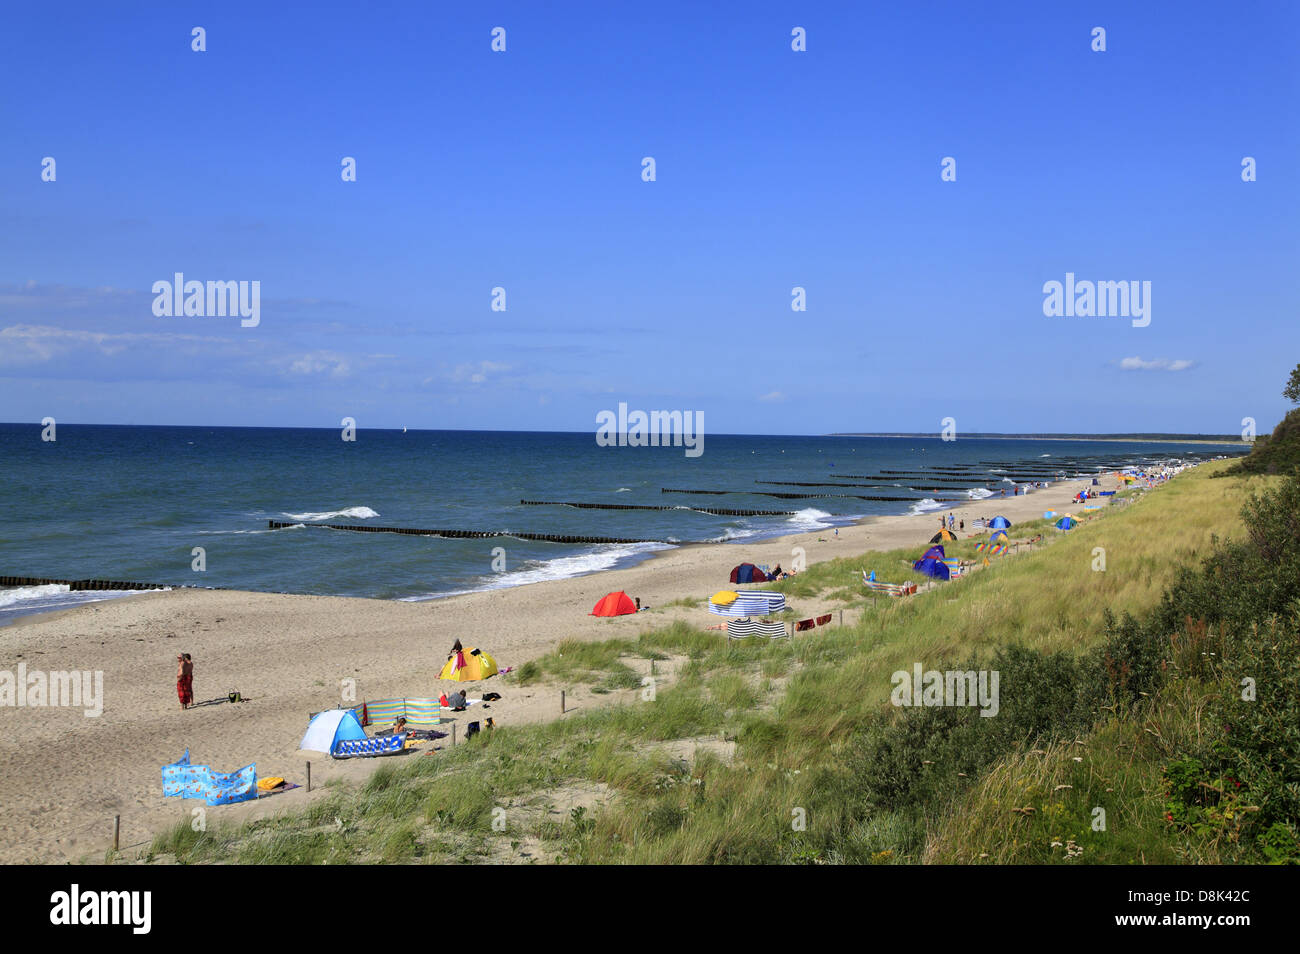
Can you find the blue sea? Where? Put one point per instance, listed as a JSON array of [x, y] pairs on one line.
[[132, 503]]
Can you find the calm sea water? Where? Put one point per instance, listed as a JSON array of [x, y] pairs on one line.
[[131, 503]]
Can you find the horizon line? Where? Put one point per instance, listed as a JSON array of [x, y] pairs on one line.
[[1134, 437]]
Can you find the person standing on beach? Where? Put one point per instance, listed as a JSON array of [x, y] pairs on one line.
[[185, 679]]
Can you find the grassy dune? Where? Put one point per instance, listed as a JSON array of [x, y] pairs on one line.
[[790, 752]]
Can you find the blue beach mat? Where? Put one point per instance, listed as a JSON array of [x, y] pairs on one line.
[[369, 748]]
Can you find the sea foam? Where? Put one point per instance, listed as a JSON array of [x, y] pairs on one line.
[[18, 594], [356, 513]]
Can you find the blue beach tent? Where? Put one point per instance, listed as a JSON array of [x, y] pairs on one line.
[[931, 567], [331, 727], [1066, 523], [999, 523], [931, 564]]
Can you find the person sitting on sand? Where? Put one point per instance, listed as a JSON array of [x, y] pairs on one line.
[[456, 647], [399, 726], [185, 679], [777, 573], [456, 701]]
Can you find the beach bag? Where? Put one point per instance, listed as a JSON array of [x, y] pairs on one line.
[[471, 729]]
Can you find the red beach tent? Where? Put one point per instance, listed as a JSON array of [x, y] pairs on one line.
[[615, 604]]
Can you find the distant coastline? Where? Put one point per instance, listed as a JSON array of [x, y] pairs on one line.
[[1113, 438]]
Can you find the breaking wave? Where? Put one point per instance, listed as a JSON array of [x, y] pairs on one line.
[[355, 513]]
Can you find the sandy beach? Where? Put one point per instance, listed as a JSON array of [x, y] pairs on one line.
[[64, 776]]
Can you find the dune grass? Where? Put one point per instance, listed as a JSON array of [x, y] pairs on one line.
[[811, 723]]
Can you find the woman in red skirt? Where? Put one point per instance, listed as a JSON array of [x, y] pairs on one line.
[[185, 679]]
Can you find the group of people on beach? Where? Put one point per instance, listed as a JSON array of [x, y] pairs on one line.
[[185, 679]]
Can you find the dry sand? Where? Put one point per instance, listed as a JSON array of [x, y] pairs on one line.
[[64, 776]]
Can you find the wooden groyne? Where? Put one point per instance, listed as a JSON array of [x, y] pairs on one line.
[[716, 511], [898, 479], [83, 584], [820, 483], [461, 534], [890, 486], [785, 496]]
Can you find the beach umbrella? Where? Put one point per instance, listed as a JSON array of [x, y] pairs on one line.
[[1066, 523], [999, 523]]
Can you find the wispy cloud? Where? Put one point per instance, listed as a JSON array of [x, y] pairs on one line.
[[772, 396], [1155, 364], [33, 344], [475, 372], [329, 363]]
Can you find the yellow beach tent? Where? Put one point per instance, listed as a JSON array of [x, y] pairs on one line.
[[477, 665]]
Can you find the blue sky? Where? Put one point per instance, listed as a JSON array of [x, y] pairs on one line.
[[775, 169]]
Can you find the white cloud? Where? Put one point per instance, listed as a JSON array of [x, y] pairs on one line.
[[476, 372], [772, 396], [33, 344], [320, 362], [1155, 364]]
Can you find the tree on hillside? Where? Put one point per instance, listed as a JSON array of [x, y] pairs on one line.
[[1292, 390]]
